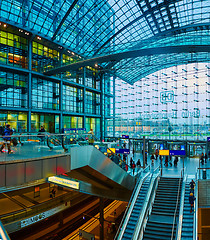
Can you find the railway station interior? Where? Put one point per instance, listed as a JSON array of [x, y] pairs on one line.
[[105, 119]]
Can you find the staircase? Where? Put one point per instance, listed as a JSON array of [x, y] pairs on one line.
[[187, 222], [160, 223], [136, 211]]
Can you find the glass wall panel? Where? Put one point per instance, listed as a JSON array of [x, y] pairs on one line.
[[45, 94], [92, 78], [49, 121], [72, 99], [72, 122], [13, 50], [17, 120], [171, 103], [92, 103], [13, 90], [93, 123], [43, 57], [73, 76]]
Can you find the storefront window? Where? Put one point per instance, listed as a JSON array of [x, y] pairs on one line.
[[49, 121], [13, 50], [93, 123], [17, 120], [72, 122]]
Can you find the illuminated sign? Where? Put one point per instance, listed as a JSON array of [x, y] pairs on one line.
[[123, 151], [64, 182], [164, 152], [208, 139], [167, 96], [125, 136], [177, 153], [110, 150]]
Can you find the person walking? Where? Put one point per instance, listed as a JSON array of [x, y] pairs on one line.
[[138, 164], [133, 167], [7, 139], [91, 138], [191, 201], [41, 133], [205, 157], [192, 186], [152, 159]]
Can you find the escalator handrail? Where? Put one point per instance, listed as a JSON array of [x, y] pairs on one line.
[[195, 230], [149, 198], [177, 201], [130, 206], [3, 233], [181, 209]]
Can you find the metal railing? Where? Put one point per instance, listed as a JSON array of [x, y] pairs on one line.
[[181, 209], [177, 203], [39, 144], [148, 201], [131, 203], [3, 233], [195, 217]]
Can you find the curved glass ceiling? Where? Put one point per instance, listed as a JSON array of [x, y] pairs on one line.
[[90, 27]]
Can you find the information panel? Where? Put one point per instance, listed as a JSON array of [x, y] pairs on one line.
[[123, 151], [177, 152], [125, 136]]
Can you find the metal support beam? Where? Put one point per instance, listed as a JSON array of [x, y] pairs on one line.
[[132, 54], [64, 18]]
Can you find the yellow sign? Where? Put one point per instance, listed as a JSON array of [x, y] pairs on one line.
[[164, 152], [64, 182], [110, 150]]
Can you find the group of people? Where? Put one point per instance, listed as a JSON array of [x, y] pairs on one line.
[[6, 133], [192, 197]]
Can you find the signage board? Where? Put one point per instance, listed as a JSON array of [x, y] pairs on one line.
[[110, 150], [164, 152], [177, 152], [208, 139], [125, 136], [123, 151], [64, 182]]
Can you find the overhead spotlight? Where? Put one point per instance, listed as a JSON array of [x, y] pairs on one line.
[[80, 57], [27, 33], [73, 53], [96, 65], [39, 38], [20, 30], [69, 51], [5, 25]]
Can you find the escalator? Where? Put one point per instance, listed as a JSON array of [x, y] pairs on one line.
[[162, 222], [188, 217], [131, 225], [138, 207]]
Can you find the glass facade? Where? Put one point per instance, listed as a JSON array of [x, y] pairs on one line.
[[171, 103], [45, 94], [17, 120], [99, 92], [13, 50], [72, 99], [14, 88]]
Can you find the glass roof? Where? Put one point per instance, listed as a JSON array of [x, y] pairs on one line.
[[93, 27]]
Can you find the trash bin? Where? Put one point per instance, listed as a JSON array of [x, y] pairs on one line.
[[204, 173]]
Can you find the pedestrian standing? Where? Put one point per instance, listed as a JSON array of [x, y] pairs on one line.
[[191, 201]]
